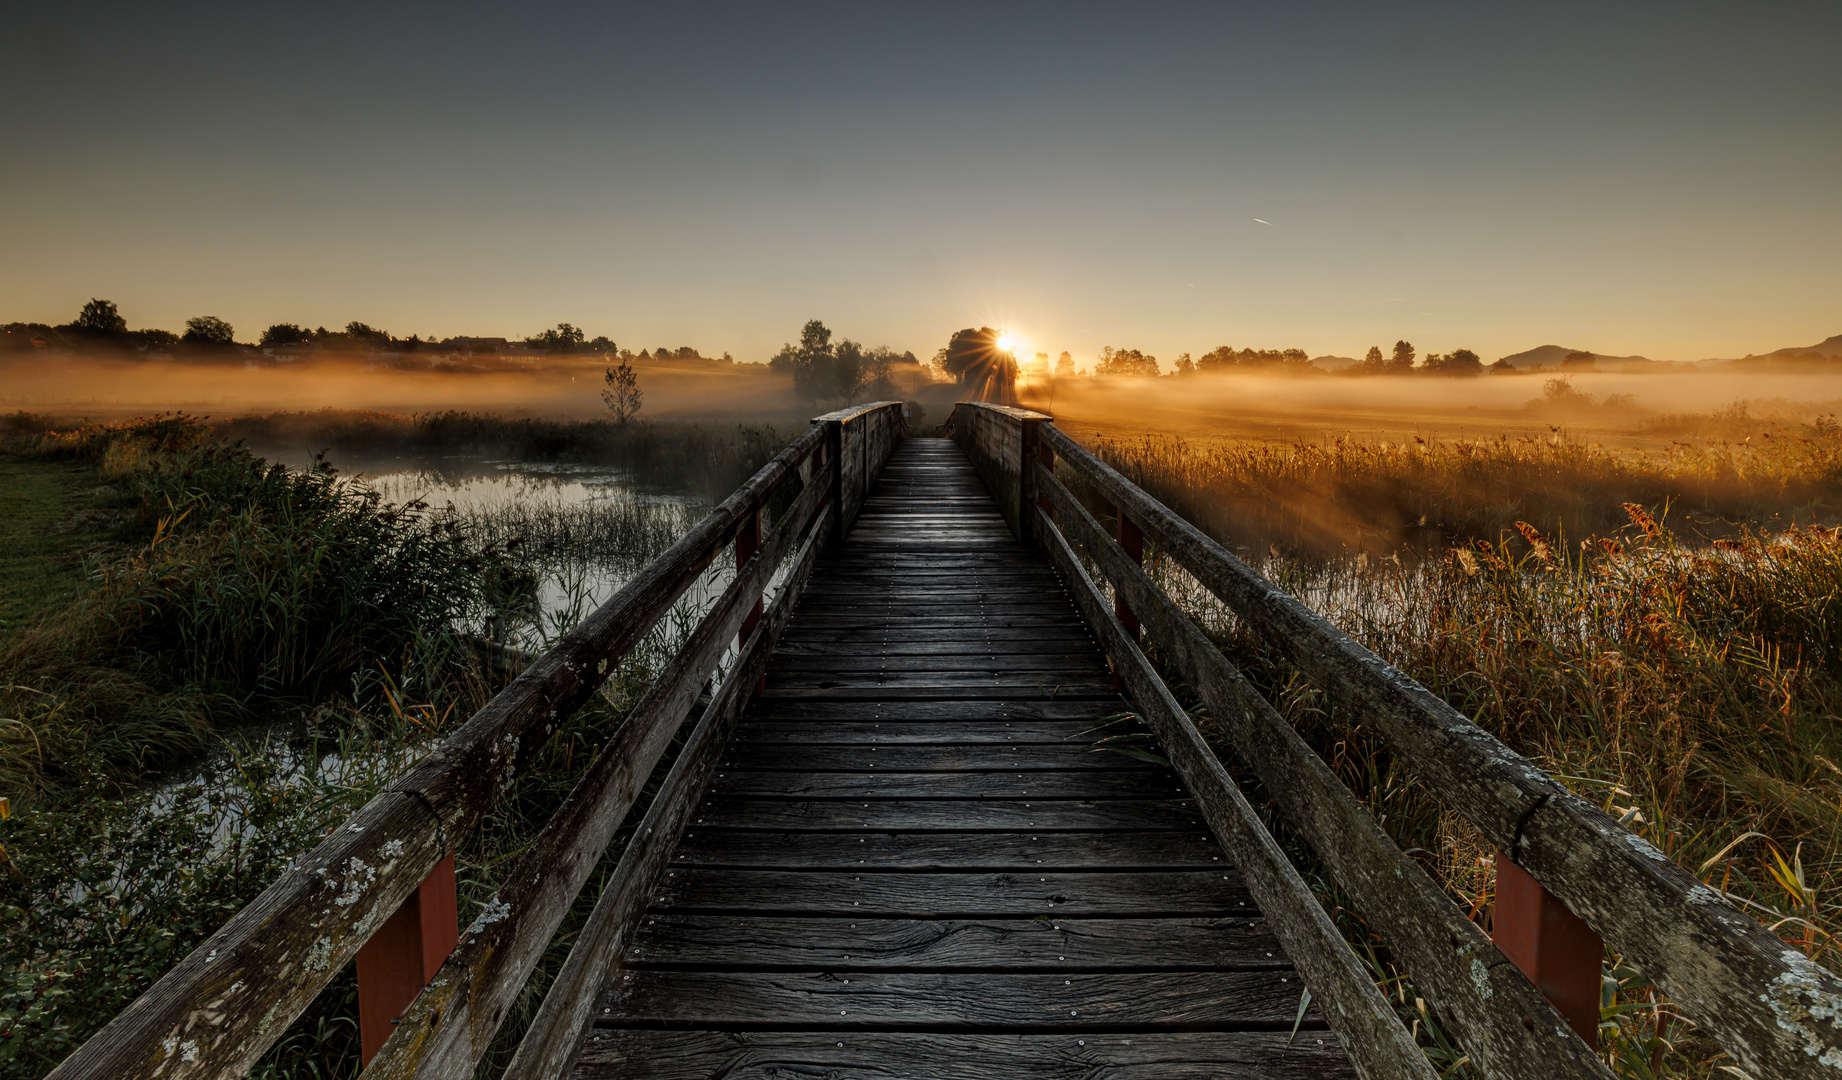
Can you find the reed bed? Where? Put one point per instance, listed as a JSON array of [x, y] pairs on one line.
[[1689, 685]]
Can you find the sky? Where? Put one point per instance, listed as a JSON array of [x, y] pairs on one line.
[[1657, 179]]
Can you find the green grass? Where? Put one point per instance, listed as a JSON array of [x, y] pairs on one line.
[[44, 535]]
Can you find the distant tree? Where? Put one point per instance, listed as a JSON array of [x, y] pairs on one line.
[[1372, 362], [209, 330], [283, 333], [1578, 360], [1224, 359], [366, 334], [880, 363], [602, 345], [1459, 362], [156, 339], [809, 362], [622, 392], [100, 318], [1126, 362], [1185, 366], [1402, 361], [970, 351], [564, 339], [1502, 367], [850, 370], [1064, 366]]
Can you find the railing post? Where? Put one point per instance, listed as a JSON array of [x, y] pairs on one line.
[[1132, 539], [404, 955], [1555, 948], [1028, 441], [748, 541], [1045, 456]]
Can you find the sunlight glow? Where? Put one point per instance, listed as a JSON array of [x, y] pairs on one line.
[[1008, 341]]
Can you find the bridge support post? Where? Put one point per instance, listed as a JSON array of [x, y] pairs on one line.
[[404, 955], [1045, 456], [748, 541], [1130, 537], [1555, 948]]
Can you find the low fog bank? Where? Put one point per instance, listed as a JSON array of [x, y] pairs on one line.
[[1616, 407], [106, 387]]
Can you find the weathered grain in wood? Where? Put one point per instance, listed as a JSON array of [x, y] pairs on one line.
[[872, 644], [761, 733], [1364, 1021], [857, 757], [888, 1001], [998, 439], [991, 784], [982, 690], [1777, 1013], [1005, 815], [1062, 944], [1075, 1055], [217, 1011], [993, 709], [971, 893], [496, 955], [1018, 851], [1504, 1023], [553, 1035]]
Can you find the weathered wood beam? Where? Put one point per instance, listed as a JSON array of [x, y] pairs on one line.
[[552, 1039], [1507, 1027], [451, 1025], [1776, 1012], [1379, 1047]]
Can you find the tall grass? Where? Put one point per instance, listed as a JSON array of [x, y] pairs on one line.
[[244, 586], [1689, 688], [1325, 500]]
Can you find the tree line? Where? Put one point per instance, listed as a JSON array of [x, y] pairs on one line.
[[823, 369], [1227, 360]]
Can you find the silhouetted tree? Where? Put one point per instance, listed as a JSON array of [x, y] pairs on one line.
[[1185, 366], [283, 333], [622, 392], [1459, 362], [1578, 360], [1064, 366], [1225, 358], [366, 334], [209, 330], [601, 344], [1372, 363], [564, 339], [1401, 363], [101, 319], [809, 362], [850, 370], [1128, 362]]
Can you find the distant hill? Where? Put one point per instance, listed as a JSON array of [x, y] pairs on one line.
[[1825, 353], [1333, 363], [1550, 356]]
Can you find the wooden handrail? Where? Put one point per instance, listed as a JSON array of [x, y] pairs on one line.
[[218, 1010], [1507, 1027], [1771, 1008], [1365, 1024]]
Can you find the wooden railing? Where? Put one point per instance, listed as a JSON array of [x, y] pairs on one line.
[[1778, 1014], [218, 1010]]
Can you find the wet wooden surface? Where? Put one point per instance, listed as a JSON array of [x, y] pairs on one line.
[[913, 862]]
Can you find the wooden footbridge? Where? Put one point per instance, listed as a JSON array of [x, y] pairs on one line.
[[886, 846]]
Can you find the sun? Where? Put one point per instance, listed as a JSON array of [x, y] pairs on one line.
[[1008, 341]]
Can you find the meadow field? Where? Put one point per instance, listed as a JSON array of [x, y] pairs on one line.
[[208, 660]]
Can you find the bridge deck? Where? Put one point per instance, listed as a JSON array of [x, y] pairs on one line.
[[911, 863]]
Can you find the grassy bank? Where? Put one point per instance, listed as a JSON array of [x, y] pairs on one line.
[[1688, 680], [230, 591]]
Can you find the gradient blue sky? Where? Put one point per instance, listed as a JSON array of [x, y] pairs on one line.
[[1663, 179]]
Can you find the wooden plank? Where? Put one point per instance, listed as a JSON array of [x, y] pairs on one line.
[[997, 710], [1072, 661], [873, 645], [892, 1001], [970, 893], [1501, 1020], [943, 691], [637, 1054], [705, 847], [773, 943], [1044, 815], [1080, 733], [1023, 784], [984, 757]]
